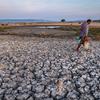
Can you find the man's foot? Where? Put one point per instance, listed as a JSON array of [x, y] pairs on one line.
[[77, 49]]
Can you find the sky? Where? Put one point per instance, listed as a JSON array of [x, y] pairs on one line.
[[50, 9]]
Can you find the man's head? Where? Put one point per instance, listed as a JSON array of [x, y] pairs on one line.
[[89, 21]]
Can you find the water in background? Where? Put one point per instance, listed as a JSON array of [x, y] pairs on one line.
[[6, 21], [21, 20]]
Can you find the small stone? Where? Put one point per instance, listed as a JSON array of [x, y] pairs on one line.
[[97, 94], [1, 91], [0, 80], [9, 97], [81, 82], [2, 73], [39, 95], [39, 73], [72, 96], [29, 87], [30, 98], [69, 86], [86, 97], [84, 76], [23, 97], [39, 88], [53, 93], [81, 90], [48, 99], [19, 88], [47, 92], [86, 88], [93, 74]]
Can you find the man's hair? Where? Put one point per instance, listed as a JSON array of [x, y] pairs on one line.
[[89, 20]]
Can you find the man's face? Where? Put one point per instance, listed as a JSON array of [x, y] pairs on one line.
[[89, 22]]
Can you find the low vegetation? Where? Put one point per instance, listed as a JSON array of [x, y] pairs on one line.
[[94, 33], [3, 29]]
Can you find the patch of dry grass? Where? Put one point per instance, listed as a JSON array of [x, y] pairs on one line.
[[2, 29], [93, 32]]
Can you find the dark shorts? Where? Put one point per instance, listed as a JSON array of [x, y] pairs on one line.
[[81, 40]]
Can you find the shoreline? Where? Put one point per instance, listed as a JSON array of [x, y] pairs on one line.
[[46, 24]]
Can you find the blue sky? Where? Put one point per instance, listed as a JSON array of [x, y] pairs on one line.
[[50, 9]]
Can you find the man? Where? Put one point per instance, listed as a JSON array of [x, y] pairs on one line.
[[83, 32]]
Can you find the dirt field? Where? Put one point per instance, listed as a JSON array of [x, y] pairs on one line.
[[42, 64]]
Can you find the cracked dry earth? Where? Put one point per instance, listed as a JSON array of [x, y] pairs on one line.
[[48, 69]]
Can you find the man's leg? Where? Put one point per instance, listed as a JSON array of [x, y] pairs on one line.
[[78, 46]]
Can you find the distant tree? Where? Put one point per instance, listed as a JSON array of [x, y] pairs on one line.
[[63, 20]]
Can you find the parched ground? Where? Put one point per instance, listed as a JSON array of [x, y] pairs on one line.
[[37, 68]]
